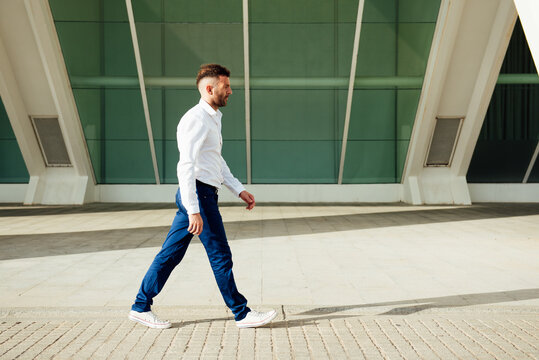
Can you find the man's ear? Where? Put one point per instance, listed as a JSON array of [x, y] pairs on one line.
[[209, 89]]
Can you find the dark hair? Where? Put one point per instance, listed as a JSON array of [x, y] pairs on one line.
[[212, 70]]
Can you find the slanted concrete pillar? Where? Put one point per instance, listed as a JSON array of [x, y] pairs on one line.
[[467, 52], [34, 82]]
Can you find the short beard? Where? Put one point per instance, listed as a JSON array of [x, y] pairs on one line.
[[221, 103]]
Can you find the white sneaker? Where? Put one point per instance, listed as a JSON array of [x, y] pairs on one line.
[[149, 319], [256, 319]]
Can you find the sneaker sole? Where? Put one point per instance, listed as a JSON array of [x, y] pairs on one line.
[[149, 324], [260, 323]]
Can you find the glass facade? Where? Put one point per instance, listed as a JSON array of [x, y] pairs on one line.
[[12, 166], [98, 52], [510, 131], [296, 119], [175, 38], [300, 58], [393, 52]]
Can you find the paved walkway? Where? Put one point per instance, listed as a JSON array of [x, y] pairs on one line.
[[210, 334], [349, 282]]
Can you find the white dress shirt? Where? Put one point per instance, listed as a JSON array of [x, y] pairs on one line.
[[200, 142]]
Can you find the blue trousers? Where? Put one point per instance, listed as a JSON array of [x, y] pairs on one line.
[[213, 238]]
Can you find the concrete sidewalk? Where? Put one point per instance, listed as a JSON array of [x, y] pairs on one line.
[[349, 281]]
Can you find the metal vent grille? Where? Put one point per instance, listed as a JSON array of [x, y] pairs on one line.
[[51, 141], [443, 142]]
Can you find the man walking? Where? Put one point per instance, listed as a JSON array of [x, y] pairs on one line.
[[201, 171]]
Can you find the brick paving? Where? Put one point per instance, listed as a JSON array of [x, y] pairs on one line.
[[483, 333]]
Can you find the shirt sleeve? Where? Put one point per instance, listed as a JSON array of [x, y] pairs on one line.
[[233, 184], [190, 135]]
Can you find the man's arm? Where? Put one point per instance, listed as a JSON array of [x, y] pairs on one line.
[[191, 135], [235, 186]]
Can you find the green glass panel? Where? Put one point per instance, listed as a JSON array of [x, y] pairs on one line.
[[6, 132], [124, 116], [155, 105], [166, 153], [291, 127], [413, 48], [293, 115], [377, 50], [295, 50], [500, 161], [300, 162], [128, 162], [82, 47], [76, 10], [12, 166], [297, 11], [167, 156], [151, 48], [402, 153], [160, 154], [147, 10], [187, 46], [89, 106], [370, 162], [119, 55], [345, 42], [407, 101], [379, 11], [203, 11], [114, 10], [96, 150], [234, 153], [177, 103], [373, 115], [233, 121], [171, 162], [347, 11], [418, 10], [341, 97]]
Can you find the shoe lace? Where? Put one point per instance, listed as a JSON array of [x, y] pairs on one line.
[[258, 315], [154, 317]]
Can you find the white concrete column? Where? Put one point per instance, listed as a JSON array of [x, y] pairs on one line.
[[35, 83], [467, 52], [247, 87]]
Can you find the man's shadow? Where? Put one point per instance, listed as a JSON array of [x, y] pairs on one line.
[[409, 307], [401, 307], [417, 305]]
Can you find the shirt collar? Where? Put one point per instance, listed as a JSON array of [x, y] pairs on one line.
[[211, 111]]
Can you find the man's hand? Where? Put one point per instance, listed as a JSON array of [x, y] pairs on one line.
[[195, 224], [248, 198]]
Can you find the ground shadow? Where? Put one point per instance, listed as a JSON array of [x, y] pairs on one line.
[[39, 245], [43, 210], [402, 307], [408, 307]]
